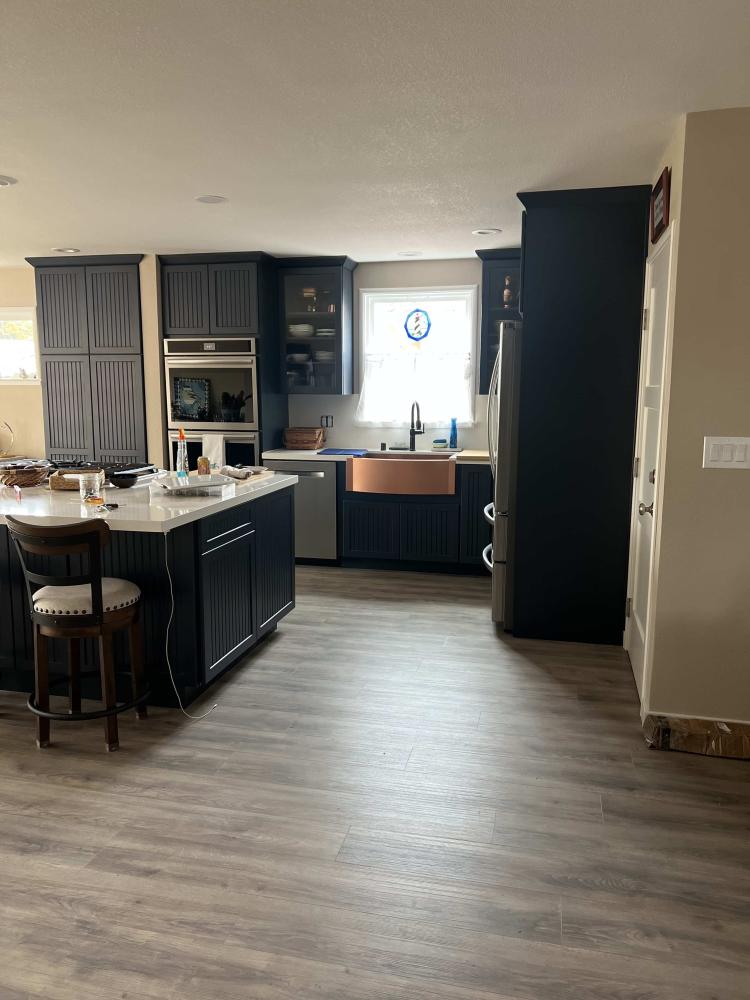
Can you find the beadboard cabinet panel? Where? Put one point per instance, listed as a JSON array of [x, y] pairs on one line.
[[118, 408], [226, 594], [62, 317], [371, 529], [476, 493], [428, 532], [274, 558], [67, 403], [186, 300], [114, 320], [233, 298]]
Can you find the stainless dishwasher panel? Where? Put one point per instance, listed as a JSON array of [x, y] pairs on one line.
[[314, 507]]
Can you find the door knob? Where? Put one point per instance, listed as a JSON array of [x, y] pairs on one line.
[[643, 509]]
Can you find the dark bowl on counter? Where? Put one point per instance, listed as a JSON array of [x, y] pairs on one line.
[[123, 482]]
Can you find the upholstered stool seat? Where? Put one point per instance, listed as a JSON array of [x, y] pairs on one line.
[[76, 600]]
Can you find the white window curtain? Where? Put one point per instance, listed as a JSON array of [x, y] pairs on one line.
[[417, 344], [18, 352]]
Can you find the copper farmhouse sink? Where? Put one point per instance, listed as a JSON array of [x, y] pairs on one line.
[[405, 472]]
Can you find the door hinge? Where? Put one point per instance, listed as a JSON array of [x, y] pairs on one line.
[[645, 319], [636, 465], [628, 607]]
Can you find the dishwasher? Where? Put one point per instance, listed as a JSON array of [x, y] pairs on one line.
[[314, 507]]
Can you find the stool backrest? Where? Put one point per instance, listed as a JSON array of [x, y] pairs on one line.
[[83, 538]]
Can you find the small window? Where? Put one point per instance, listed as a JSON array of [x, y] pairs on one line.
[[18, 357], [417, 344]]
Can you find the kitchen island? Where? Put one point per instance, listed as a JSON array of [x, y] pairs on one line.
[[221, 567]]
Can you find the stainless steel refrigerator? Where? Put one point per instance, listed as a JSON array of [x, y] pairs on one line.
[[502, 431]]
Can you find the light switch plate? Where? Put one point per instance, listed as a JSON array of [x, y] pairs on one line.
[[726, 453]]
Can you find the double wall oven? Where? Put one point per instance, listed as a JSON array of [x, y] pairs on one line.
[[212, 393]]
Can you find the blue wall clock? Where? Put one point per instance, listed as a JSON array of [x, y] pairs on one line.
[[417, 324]]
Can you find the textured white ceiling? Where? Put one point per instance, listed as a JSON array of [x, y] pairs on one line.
[[337, 126]]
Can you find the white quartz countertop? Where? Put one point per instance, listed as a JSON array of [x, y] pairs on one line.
[[139, 510], [466, 457]]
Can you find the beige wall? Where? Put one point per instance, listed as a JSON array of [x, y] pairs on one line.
[[306, 411], [152, 358], [21, 405], [701, 652]]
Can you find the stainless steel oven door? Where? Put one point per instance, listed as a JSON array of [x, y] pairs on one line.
[[212, 394]]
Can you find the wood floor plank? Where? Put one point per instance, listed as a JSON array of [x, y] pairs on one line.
[[392, 802]]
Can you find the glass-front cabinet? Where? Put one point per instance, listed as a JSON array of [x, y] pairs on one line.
[[316, 325], [501, 294]]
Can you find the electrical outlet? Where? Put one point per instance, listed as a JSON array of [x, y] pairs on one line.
[[326, 420]]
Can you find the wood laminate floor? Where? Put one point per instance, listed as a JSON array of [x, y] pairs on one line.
[[390, 803]]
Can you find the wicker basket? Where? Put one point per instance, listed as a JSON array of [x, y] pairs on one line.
[[57, 480], [24, 478], [304, 438]]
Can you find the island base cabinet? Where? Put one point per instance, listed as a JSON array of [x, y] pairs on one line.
[[274, 559], [226, 597]]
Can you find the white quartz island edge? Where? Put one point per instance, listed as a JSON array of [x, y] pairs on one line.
[[139, 510], [468, 456]]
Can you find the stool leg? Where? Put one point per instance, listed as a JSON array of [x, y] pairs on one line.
[[74, 665], [41, 686], [107, 668], [135, 643]]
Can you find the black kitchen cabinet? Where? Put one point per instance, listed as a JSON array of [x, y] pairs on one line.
[[407, 529], [210, 295], [316, 324], [113, 309], [274, 558], [184, 290], [226, 596], [371, 529], [501, 297], [233, 298], [118, 406], [67, 407], [475, 493], [61, 312], [428, 532], [583, 274], [89, 320]]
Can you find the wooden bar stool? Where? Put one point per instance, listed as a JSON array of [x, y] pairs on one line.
[[74, 606]]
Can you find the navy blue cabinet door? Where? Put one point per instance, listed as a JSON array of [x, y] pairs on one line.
[[233, 298], [429, 532], [274, 558], [61, 310], [185, 300], [66, 398], [114, 313], [118, 408], [226, 595], [476, 493], [371, 529]]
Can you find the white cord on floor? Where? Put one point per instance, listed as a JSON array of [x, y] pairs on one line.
[[194, 718]]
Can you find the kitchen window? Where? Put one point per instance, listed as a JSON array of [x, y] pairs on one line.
[[18, 355], [417, 344]]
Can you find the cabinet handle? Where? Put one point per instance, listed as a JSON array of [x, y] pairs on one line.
[[310, 475]]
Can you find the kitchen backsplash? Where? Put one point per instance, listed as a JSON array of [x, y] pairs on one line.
[[306, 411]]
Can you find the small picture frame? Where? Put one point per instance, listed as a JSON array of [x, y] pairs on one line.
[[192, 398], [660, 205]]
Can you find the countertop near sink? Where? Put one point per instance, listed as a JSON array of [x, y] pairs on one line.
[[467, 457]]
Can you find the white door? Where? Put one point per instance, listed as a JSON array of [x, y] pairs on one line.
[[646, 489]]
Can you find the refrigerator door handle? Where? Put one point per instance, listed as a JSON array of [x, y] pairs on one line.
[[487, 556], [489, 512], [492, 415]]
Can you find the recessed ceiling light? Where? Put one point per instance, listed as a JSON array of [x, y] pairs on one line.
[[5, 182], [409, 253], [211, 199], [485, 232], [65, 250]]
